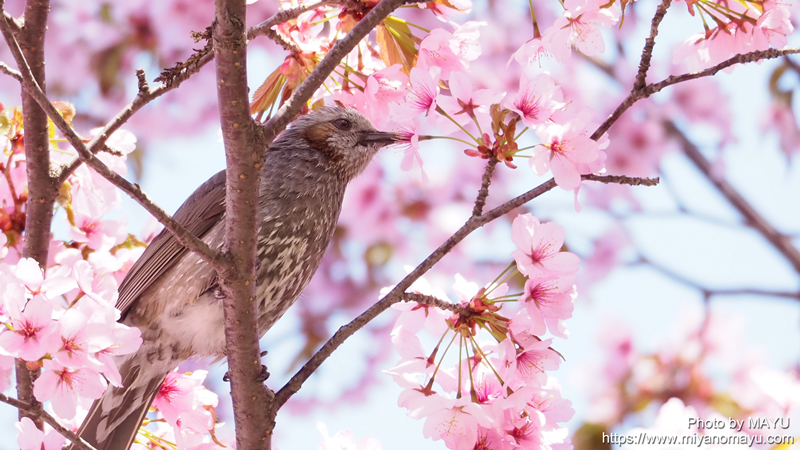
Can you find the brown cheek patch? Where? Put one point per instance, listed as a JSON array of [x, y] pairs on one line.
[[318, 135]]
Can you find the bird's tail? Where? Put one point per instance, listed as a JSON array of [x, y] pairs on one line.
[[114, 420]]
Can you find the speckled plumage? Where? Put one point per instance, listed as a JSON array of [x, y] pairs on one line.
[[172, 295]]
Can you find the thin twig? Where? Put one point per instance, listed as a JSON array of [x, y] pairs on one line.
[[398, 292], [652, 88], [483, 192], [10, 72], [650, 42], [430, 300], [12, 22], [287, 45], [285, 16], [183, 236], [622, 179], [50, 420]]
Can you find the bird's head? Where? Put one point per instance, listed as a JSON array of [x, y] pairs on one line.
[[343, 135]]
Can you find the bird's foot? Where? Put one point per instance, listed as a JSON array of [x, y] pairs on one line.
[[264, 375]]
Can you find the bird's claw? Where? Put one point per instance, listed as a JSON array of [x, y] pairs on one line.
[[264, 375]]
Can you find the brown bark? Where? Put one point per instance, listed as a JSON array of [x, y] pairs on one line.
[[42, 189], [244, 154]]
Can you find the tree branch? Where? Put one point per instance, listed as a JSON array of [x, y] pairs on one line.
[[286, 45], [42, 190], [782, 243], [10, 72], [398, 292], [650, 89], [483, 192], [430, 300], [244, 156], [36, 411], [622, 179], [650, 42], [183, 236], [12, 22]]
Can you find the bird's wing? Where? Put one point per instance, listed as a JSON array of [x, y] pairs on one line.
[[198, 214]]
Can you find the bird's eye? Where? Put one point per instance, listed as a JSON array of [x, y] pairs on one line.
[[342, 124]]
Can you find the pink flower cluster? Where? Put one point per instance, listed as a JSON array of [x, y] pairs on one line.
[[741, 27], [75, 340], [187, 410], [494, 394], [579, 27], [64, 320], [550, 289]]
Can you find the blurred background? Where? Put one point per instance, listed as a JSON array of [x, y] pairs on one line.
[[680, 293]]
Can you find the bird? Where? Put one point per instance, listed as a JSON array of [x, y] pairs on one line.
[[173, 296]]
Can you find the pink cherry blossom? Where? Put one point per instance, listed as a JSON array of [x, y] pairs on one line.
[[182, 399], [409, 142], [548, 402], [579, 27], [465, 99], [102, 289], [549, 301], [32, 438], [62, 386], [457, 423], [414, 362], [773, 26], [57, 282], [531, 53], [74, 335], [98, 234], [115, 340], [539, 248], [563, 149], [449, 51], [32, 333], [383, 88], [423, 91], [536, 99], [534, 359]]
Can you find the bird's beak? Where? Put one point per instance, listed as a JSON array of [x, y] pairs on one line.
[[378, 137]]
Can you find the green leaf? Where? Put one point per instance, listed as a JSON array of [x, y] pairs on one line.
[[397, 44]]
